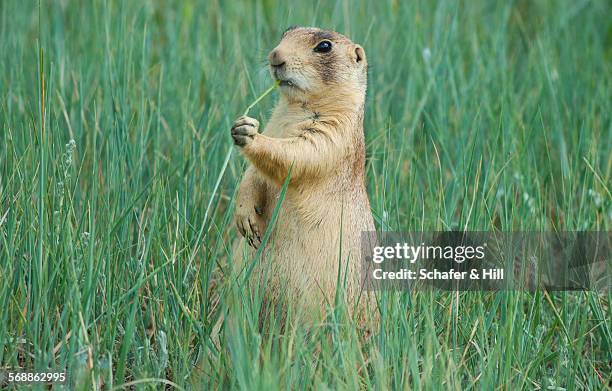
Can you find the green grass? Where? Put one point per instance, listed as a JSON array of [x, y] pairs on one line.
[[116, 252]]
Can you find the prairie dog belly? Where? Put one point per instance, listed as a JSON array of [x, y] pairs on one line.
[[305, 249]]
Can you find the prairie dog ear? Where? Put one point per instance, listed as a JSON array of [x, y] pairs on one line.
[[358, 54]]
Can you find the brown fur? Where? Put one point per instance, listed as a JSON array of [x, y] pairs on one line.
[[317, 128]]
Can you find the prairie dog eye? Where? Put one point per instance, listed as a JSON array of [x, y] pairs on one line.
[[323, 47]]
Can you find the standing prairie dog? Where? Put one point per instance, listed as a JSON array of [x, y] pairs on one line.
[[317, 129]]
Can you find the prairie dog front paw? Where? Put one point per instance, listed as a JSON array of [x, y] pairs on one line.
[[250, 224], [244, 131]]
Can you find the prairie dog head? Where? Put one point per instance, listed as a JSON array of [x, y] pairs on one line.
[[311, 63]]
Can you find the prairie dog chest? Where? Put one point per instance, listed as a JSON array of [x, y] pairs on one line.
[[286, 123]]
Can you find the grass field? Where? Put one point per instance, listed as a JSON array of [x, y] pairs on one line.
[[117, 189]]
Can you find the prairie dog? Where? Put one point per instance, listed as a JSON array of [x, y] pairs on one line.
[[317, 129]]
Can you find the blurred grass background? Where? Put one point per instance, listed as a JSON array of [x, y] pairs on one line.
[[116, 196]]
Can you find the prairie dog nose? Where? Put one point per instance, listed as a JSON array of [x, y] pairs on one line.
[[276, 59]]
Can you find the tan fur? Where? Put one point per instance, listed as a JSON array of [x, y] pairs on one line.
[[317, 127]]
